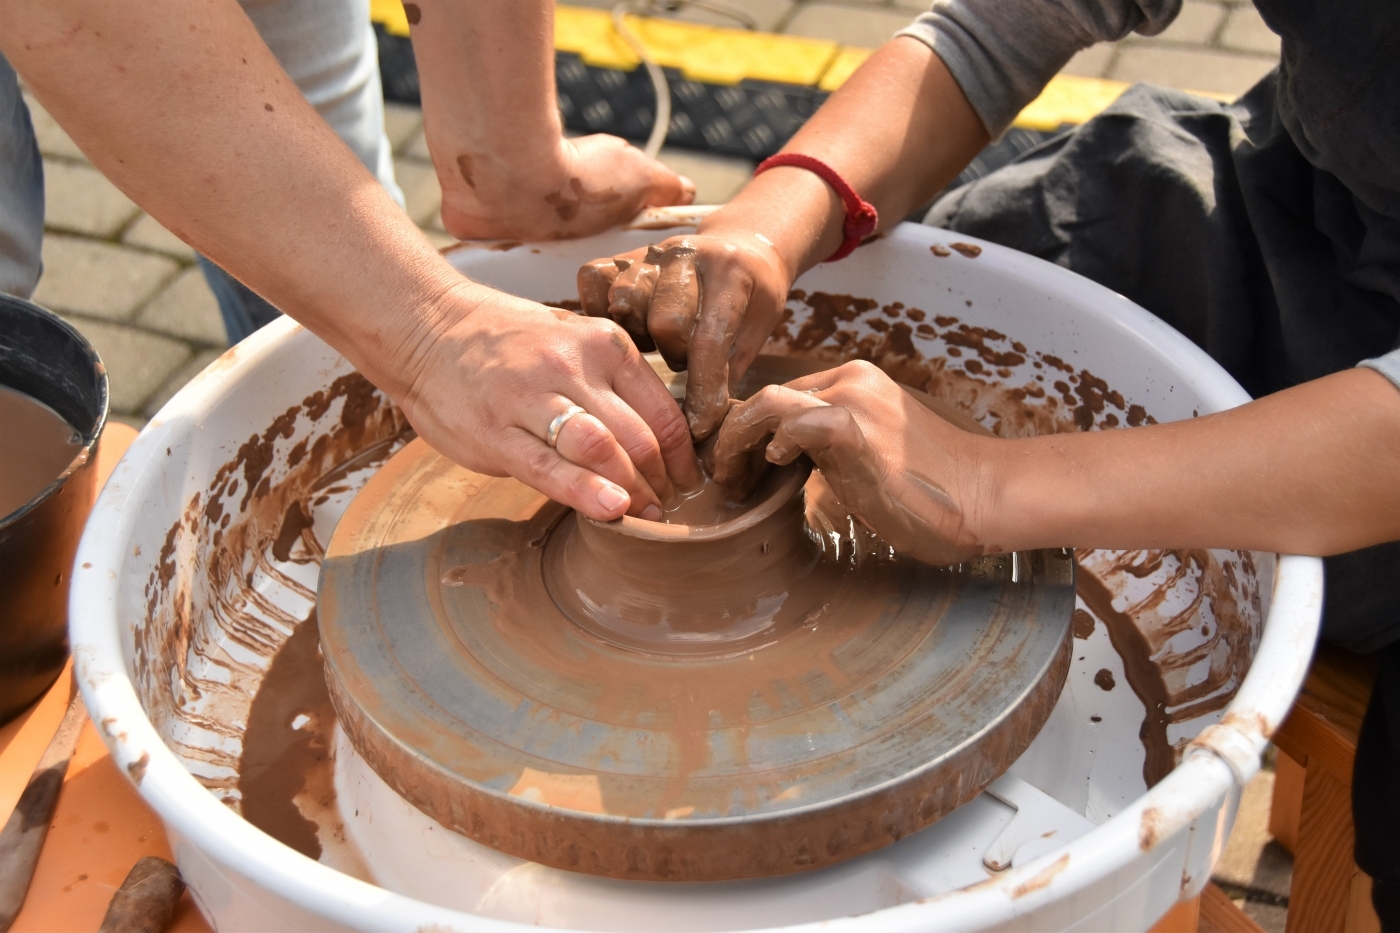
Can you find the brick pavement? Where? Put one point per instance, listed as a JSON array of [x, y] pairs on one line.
[[134, 289]]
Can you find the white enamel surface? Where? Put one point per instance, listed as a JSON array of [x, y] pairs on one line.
[[1147, 851]]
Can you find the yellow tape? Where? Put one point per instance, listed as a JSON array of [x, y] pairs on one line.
[[709, 54], [1069, 99], [390, 14], [714, 55]]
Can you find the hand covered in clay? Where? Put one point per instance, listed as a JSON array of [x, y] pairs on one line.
[[591, 184], [496, 371], [708, 303], [901, 470]]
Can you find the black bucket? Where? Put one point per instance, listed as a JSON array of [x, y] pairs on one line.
[[45, 358]]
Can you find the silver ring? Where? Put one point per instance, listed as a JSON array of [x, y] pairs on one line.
[[551, 437]]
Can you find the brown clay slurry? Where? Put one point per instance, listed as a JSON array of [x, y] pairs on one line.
[[286, 747], [707, 505], [36, 447], [973, 374], [1175, 592]]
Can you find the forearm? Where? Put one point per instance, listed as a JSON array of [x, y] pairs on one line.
[[181, 104], [1311, 470], [898, 131], [489, 104]]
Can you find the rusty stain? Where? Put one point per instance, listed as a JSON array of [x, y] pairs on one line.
[[137, 768], [1150, 828], [1041, 878], [970, 250]]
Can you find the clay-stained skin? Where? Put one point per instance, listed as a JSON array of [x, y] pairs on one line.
[[1185, 623], [972, 378], [568, 203], [36, 446]]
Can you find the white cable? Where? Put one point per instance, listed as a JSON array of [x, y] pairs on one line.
[[662, 122]]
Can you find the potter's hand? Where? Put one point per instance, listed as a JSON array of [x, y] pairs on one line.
[[495, 371], [708, 303], [587, 185], [901, 470]]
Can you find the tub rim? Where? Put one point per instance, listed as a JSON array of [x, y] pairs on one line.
[[1217, 762]]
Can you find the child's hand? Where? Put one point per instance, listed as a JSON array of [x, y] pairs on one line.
[[901, 470], [708, 303]]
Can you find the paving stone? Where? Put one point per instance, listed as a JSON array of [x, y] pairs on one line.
[[1252, 859], [1246, 30], [1197, 23], [867, 28], [148, 232], [717, 178], [53, 139], [78, 199], [187, 309], [177, 381], [767, 15], [401, 121], [1190, 69], [420, 189], [99, 279], [1092, 62], [138, 363], [418, 148]]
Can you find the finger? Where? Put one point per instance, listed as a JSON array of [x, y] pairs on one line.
[[724, 298], [531, 461], [833, 439], [675, 300], [668, 187], [659, 440], [594, 280], [748, 427], [586, 442], [630, 297]]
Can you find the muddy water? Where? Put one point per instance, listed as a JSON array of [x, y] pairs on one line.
[[36, 446], [286, 748]]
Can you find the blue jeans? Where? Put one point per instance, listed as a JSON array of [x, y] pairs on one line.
[[328, 49]]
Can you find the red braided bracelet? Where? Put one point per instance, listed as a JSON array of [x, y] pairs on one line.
[[861, 217]]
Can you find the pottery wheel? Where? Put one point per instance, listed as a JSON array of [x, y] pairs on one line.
[[466, 688]]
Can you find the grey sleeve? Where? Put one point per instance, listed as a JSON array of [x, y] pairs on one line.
[[1388, 366], [1003, 52]]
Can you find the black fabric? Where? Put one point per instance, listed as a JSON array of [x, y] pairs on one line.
[[1375, 791], [1208, 216], [1211, 218]]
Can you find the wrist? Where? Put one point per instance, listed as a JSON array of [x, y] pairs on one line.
[[793, 209]]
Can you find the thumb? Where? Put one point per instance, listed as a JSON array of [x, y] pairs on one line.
[[668, 188]]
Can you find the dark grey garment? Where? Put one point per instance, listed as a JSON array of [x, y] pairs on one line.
[[1208, 216], [21, 191], [1339, 90]]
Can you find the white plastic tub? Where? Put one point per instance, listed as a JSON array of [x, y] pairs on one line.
[[176, 609]]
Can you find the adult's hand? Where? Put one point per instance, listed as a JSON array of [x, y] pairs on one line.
[[574, 188], [491, 117], [707, 303], [901, 470], [497, 370]]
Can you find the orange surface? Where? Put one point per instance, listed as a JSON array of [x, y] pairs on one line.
[[101, 826]]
